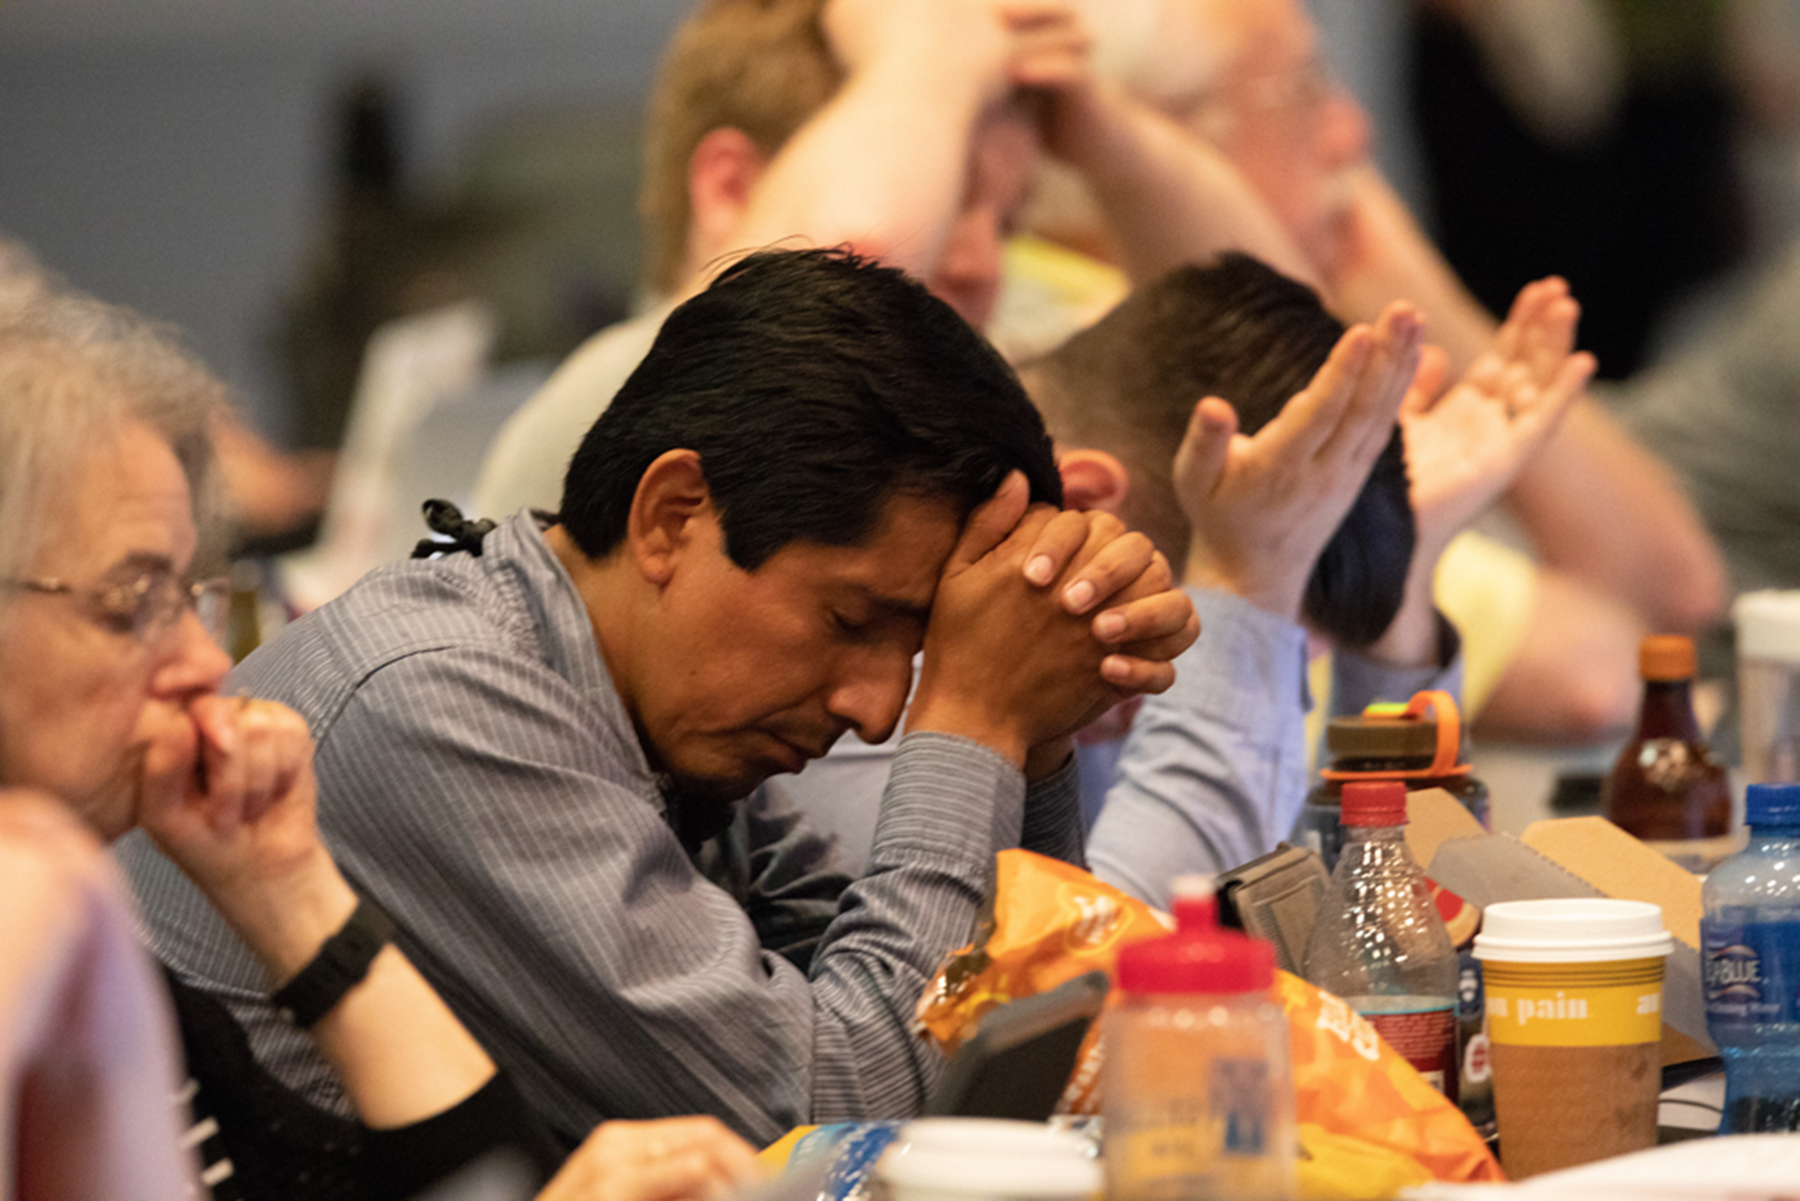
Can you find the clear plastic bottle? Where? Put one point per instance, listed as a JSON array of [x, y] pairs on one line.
[[1198, 1084], [1378, 941], [1750, 947]]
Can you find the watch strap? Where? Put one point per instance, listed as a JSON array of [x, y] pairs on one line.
[[341, 964]]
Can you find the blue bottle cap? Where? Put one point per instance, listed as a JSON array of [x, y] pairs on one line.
[[1772, 805]]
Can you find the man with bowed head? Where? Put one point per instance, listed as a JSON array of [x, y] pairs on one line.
[[533, 752]]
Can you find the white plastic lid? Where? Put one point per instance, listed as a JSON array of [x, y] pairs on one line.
[[1768, 625], [1572, 930], [989, 1157]]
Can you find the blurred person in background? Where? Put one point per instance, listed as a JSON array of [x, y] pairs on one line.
[[1639, 119], [1597, 138], [1291, 516], [1724, 411], [87, 1057], [1618, 547], [109, 701], [908, 130]]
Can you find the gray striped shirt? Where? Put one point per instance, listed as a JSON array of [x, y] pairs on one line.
[[479, 777]]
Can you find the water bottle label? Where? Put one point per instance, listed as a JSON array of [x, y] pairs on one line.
[[851, 1148], [1751, 972], [1427, 1040], [1243, 1103], [1475, 1077]]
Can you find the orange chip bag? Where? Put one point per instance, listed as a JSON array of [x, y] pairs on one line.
[[1046, 923], [1049, 922]]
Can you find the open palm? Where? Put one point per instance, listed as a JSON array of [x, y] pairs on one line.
[[1465, 444]]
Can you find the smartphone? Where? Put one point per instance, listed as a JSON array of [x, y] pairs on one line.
[[1020, 1057]]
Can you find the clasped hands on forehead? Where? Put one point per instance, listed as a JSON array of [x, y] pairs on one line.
[[1017, 667]]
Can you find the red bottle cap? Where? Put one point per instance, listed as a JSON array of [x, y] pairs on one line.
[[1195, 903], [1373, 803], [1198, 957]]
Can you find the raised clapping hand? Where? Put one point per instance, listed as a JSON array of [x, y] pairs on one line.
[[1043, 620], [1263, 507], [1464, 445]]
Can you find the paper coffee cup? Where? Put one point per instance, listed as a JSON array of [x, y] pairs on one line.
[[987, 1159], [1574, 1012]]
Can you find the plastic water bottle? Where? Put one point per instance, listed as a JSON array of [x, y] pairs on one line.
[[1750, 946], [1378, 941], [1198, 1081]]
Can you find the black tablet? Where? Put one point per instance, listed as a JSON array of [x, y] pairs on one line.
[[1020, 1057]]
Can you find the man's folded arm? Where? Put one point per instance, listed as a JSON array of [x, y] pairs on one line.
[[562, 918]]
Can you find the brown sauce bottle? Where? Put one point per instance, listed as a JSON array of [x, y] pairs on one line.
[[1666, 786]]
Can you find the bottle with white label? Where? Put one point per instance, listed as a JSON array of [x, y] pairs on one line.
[[1750, 948], [1378, 941]]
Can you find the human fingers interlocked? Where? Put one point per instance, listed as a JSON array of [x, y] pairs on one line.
[[1096, 563]]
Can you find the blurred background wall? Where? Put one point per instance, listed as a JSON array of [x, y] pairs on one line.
[[177, 155], [183, 156]]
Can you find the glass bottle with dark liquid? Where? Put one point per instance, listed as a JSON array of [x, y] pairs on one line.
[[1666, 786]]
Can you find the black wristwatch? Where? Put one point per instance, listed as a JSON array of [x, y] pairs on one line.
[[340, 965]]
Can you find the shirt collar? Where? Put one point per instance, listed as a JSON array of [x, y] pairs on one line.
[[566, 633]]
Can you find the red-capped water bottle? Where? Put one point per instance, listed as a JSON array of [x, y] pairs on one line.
[[1198, 1085], [1378, 941]]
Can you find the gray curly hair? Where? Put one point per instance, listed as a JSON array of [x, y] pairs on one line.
[[72, 369]]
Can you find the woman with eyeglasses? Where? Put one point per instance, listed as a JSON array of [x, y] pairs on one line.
[[110, 671]]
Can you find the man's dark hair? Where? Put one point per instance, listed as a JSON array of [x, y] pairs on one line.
[[815, 387], [1242, 331]]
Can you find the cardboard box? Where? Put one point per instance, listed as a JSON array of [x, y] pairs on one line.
[[1572, 857]]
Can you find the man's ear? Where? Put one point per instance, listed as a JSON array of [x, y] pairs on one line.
[[1093, 480], [670, 496], [722, 170]]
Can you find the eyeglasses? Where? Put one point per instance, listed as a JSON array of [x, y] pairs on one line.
[[1304, 88], [1301, 90], [148, 607]]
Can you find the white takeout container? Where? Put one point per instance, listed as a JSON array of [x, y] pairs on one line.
[[987, 1159]]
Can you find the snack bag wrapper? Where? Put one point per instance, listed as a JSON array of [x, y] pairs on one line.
[[1366, 1115]]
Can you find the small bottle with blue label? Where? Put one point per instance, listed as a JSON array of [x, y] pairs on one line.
[[1750, 948]]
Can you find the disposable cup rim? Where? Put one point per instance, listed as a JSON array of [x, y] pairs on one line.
[[1510, 950]]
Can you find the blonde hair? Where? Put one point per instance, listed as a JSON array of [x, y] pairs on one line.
[[759, 66]]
